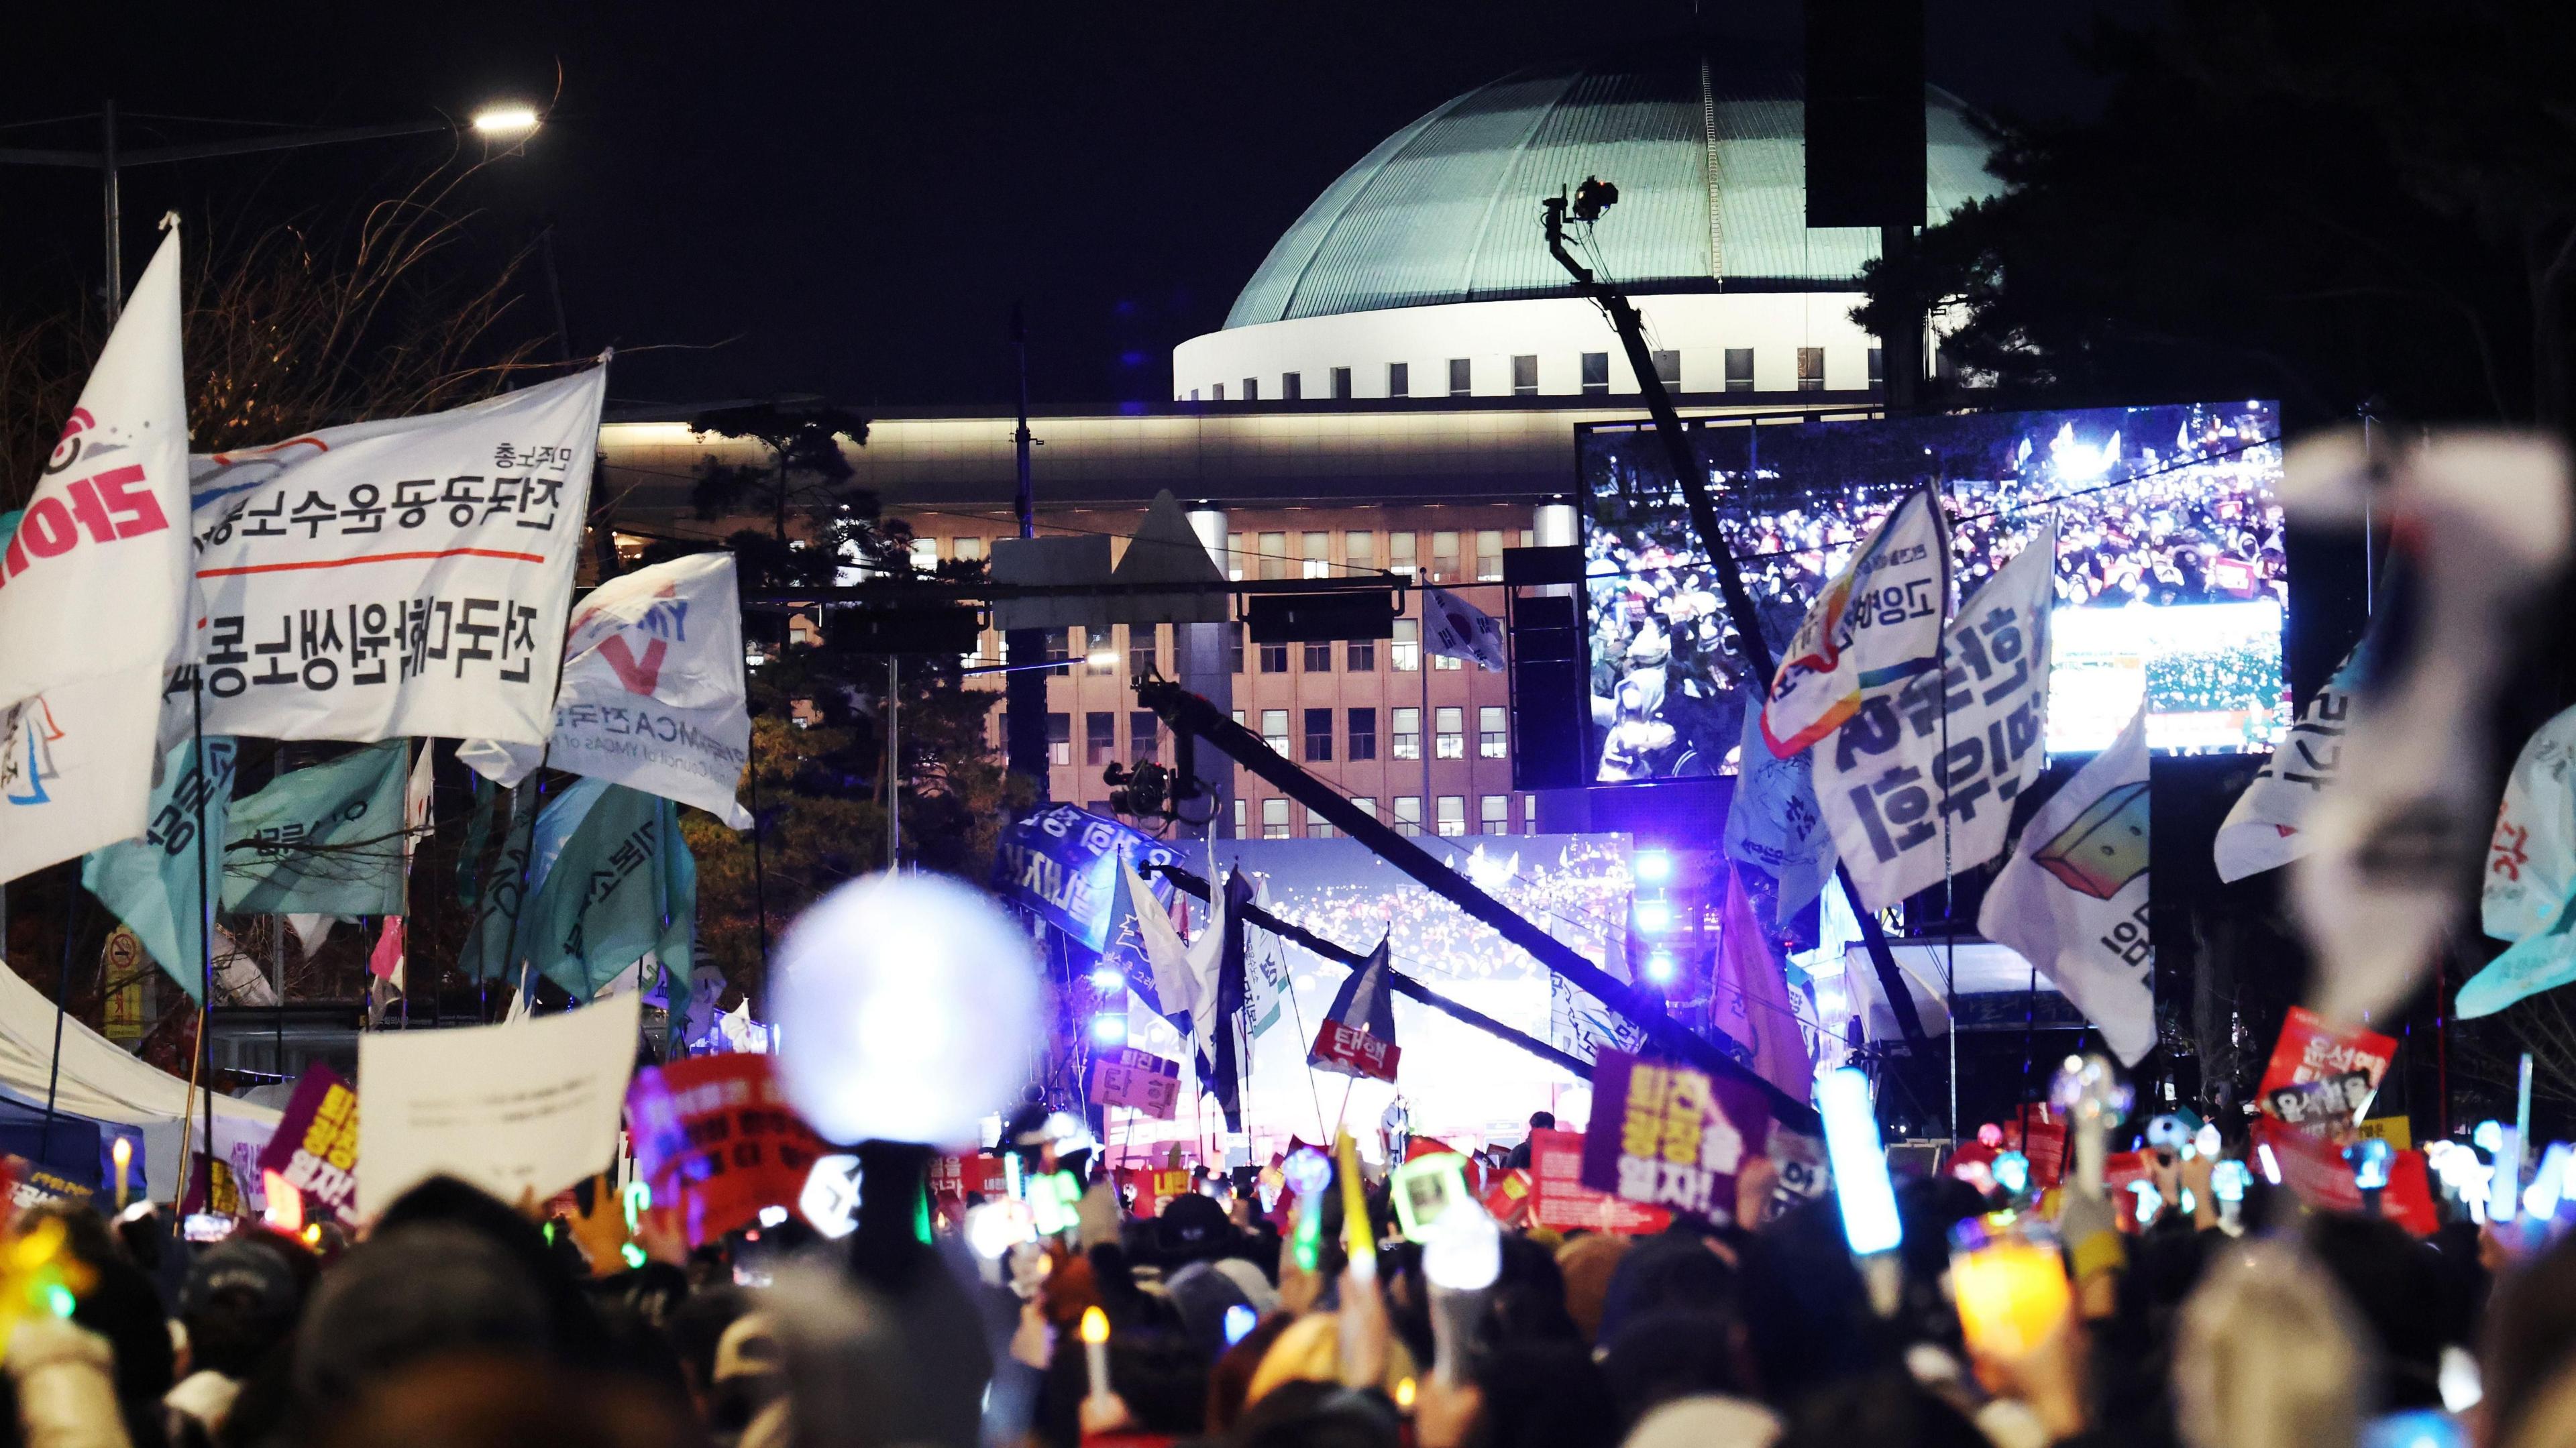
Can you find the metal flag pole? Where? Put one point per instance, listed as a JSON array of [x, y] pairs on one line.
[[62, 1003], [205, 923]]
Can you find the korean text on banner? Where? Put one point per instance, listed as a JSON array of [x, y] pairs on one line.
[[1560, 1200], [1061, 864], [1137, 1079], [522, 1109], [2261, 832], [2322, 1076], [315, 1147], [1774, 824], [403, 577], [1875, 626], [163, 886], [715, 1137], [328, 838], [2072, 900], [1672, 1137], [1920, 782], [93, 581], [652, 690], [2531, 860]]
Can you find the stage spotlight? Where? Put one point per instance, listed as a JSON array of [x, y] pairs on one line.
[[1652, 867], [1110, 1028], [1654, 916], [1659, 967], [1107, 981]]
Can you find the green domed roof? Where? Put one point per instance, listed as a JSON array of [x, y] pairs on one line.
[[1706, 145]]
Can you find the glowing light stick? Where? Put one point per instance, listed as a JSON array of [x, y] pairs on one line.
[[2548, 1184], [1861, 1186], [2504, 1189], [1358, 1242], [1308, 1173], [285, 1209], [2012, 1172], [1095, 1349], [2095, 1098], [122, 1152], [2227, 1182], [1239, 1323], [1461, 1257], [2150, 1201]]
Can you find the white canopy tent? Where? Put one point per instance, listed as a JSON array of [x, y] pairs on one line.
[[102, 1081]]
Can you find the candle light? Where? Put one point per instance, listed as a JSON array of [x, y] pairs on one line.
[[2010, 1294], [1095, 1349], [123, 1154], [285, 1205]]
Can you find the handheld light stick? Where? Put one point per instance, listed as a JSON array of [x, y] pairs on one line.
[[2095, 1099], [1307, 1174], [1461, 1257], [1358, 1242], [2504, 1188], [2522, 1110], [1095, 1349], [2548, 1184], [2227, 1182], [1861, 1185], [2370, 1157], [122, 1152]]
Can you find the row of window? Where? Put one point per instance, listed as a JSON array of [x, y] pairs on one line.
[[1145, 652], [1449, 816], [1268, 555], [1404, 733], [1737, 376]]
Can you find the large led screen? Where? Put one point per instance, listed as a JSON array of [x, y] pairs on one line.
[[2170, 573]]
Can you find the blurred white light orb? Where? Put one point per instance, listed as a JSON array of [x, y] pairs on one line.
[[911, 1005]]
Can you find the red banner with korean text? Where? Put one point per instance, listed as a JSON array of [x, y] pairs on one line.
[[956, 1176], [715, 1135], [1560, 1200], [1357, 1050], [2322, 1076], [2317, 1172], [1671, 1136]]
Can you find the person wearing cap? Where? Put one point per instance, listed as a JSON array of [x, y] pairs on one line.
[[238, 1303]]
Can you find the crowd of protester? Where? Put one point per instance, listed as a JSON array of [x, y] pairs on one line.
[[457, 1319]]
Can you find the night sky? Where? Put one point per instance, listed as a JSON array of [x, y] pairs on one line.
[[846, 199]]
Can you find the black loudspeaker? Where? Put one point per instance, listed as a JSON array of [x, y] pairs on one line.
[[903, 630], [1865, 113], [1551, 695], [1317, 618]]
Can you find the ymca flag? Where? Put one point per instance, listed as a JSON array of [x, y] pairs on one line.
[[1453, 628], [1875, 626], [652, 692], [1920, 782], [2531, 860], [163, 886], [402, 577], [1773, 822], [1357, 1037], [94, 580], [623, 886], [328, 838], [2073, 898], [1749, 999], [2542, 960], [76, 768], [2262, 831]]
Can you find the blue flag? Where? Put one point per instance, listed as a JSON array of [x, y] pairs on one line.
[[2542, 960], [326, 840], [163, 886]]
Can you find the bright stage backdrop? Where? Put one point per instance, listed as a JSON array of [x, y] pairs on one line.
[[1457, 1083]]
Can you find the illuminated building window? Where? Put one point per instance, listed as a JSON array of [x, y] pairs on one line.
[[1315, 552], [1449, 732], [1408, 733], [1444, 557], [1408, 814], [1490, 733], [1495, 814], [1453, 815], [925, 555], [1489, 555], [1408, 645], [1274, 819], [1097, 641], [1238, 817], [1365, 804], [1059, 738], [1273, 549], [1317, 827], [1234, 551], [1359, 549], [1274, 729], [1400, 554], [1099, 738]]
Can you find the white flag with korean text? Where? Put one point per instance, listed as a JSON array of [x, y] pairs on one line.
[[2531, 859], [94, 580], [403, 577], [1919, 784], [1875, 626], [2261, 831], [652, 691], [2073, 898]]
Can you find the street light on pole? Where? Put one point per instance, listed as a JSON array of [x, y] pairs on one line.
[[496, 122]]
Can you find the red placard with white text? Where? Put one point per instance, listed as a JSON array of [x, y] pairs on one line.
[[2322, 1076], [1560, 1200], [715, 1136], [1340, 1045]]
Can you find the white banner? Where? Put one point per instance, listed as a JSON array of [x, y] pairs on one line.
[[94, 580], [652, 691], [77, 772], [403, 577], [2262, 831], [1875, 626], [521, 1110], [1919, 784], [2531, 861], [2073, 899]]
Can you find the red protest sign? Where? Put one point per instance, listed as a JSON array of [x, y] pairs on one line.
[[956, 1176], [1510, 1197], [316, 1145], [1354, 1050], [1560, 1200], [1141, 1079], [2322, 1076], [715, 1135], [2042, 1142], [2316, 1170]]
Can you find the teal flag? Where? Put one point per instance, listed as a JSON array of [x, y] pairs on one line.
[[2542, 960], [161, 884], [327, 840], [622, 885], [502, 885]]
